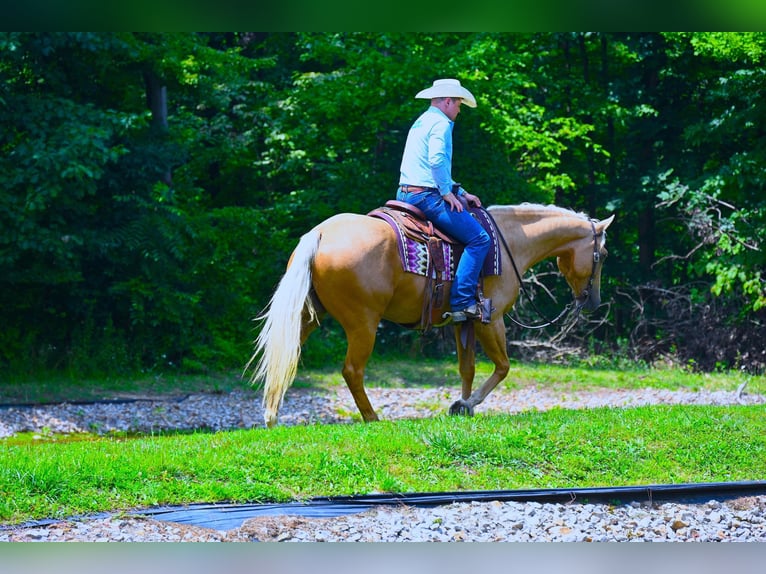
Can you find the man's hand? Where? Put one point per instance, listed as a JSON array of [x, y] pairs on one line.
[[472, 199], [454, 203]]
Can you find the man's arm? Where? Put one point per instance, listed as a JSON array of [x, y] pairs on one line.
[[440, 156]]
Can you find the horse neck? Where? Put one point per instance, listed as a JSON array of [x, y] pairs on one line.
[[534, 234]]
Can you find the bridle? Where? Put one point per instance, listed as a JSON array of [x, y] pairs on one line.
[[579, 302], [596, 258]]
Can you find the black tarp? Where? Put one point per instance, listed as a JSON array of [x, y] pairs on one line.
[[229, 516]]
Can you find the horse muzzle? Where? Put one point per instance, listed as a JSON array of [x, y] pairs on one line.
[[589, 300]]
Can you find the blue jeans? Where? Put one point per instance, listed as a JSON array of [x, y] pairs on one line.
[[463, 227]]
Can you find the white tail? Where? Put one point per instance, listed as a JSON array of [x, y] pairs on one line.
[[279, 342]]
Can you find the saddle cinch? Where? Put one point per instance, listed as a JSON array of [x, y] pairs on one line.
[[426, 250]]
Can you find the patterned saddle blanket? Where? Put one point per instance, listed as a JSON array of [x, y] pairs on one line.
[[425, 250]]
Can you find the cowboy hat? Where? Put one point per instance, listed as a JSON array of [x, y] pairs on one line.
[[448, 88]]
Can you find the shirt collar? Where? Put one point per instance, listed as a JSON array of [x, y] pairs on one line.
[[436, 110]]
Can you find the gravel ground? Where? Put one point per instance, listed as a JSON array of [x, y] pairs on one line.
[[242, 409], [730, 520]]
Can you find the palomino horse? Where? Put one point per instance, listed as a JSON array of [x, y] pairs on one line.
[[348, 266]]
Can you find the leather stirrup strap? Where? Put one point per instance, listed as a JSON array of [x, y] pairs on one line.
[[467, 334]]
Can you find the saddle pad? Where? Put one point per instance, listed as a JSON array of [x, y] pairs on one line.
[[414, 254]]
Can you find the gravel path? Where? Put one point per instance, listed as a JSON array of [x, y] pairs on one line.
[[242, 409], [731, 520]]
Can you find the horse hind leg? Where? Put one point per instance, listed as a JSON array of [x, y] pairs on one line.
[[361, 342]]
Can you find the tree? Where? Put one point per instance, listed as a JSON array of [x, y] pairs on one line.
[[94, 240], [719, 197]]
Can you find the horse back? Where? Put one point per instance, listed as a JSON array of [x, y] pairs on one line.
[[349, 240]]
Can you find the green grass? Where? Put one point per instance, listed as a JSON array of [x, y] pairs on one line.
[[559, 448], [57, 476]]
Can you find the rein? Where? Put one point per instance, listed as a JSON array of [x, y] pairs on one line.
[[577, 306]]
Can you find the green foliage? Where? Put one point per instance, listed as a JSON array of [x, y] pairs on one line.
[[163, 237], [97, 251], [721, 200]]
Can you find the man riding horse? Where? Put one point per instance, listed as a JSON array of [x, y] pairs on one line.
[[426, 182], [349, 267]]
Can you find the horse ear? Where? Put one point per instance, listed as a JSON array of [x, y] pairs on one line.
[[604, 223]]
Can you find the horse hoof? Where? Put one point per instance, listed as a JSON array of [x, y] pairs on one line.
[[461, 408]]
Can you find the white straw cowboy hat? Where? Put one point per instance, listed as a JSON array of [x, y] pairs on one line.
[[448, 88]]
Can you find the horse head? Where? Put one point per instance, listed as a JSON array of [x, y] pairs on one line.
[[581, 265]]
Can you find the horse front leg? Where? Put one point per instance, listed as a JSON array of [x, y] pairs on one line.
[[492, 340], [466, 357]]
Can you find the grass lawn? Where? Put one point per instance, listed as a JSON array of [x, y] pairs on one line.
[[554, 449]]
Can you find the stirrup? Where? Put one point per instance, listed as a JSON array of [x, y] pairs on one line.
[[447, 319], [469, 313]]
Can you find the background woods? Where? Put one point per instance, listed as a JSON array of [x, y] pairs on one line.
[[152, 186]]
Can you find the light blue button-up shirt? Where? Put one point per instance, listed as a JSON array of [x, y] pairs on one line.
[[427, 158]]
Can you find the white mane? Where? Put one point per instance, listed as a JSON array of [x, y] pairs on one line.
[[535, 207]]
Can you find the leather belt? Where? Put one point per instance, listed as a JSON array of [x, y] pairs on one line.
[[416, 188]]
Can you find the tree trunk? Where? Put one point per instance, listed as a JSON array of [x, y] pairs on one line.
[[157, 101]]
